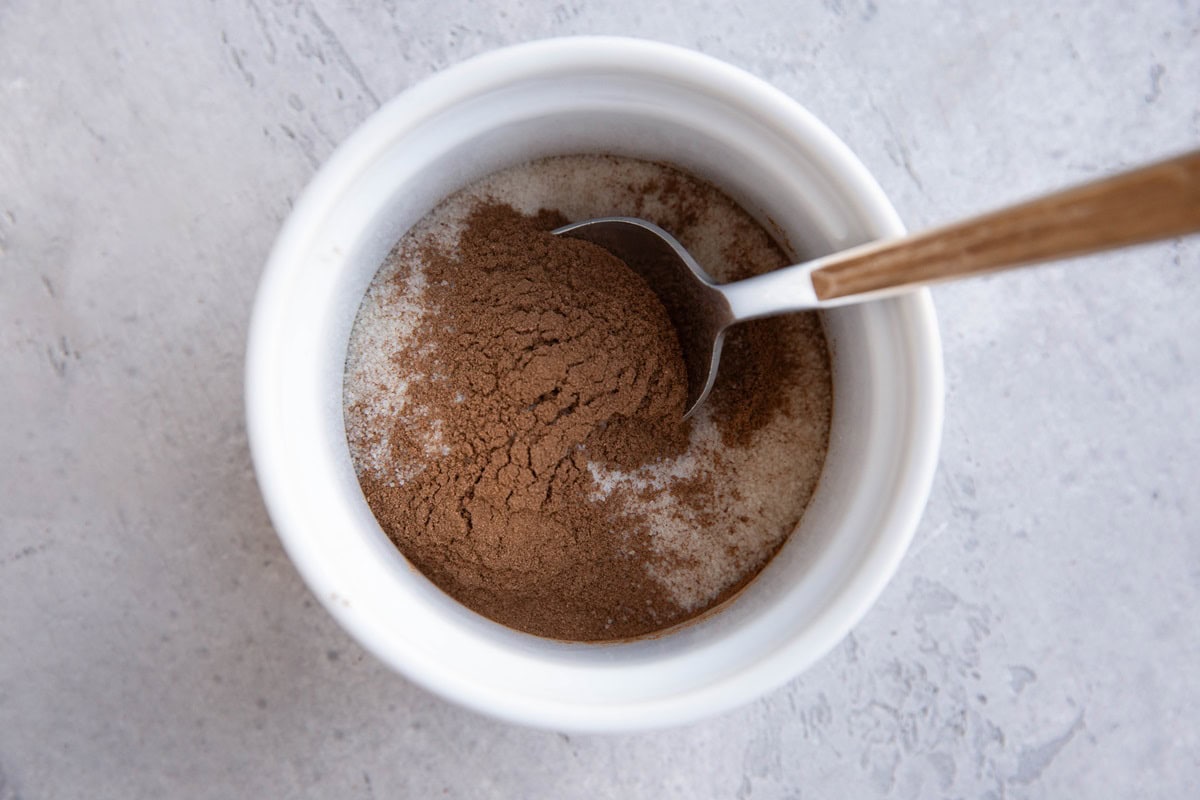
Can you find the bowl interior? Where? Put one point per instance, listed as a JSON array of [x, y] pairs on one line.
[[783, 170]]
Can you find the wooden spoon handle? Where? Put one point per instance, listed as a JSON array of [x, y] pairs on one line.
[[1155, 202]]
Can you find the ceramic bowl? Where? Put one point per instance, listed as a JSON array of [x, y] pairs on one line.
[[591, 95]]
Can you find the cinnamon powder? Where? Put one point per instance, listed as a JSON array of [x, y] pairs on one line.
[[523, 445]]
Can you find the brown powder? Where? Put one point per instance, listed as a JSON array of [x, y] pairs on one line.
[[514, 404], [545, 354]]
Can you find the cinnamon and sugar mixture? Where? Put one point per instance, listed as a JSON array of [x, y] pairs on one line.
[[514, 400]]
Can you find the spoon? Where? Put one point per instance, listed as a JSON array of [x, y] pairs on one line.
[[1158, 201]]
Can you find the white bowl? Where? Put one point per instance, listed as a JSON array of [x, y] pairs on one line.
[[601, 95]]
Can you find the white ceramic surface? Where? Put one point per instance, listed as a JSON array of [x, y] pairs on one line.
[[590, 95]]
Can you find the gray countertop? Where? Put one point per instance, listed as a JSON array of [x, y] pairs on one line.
[[1040, 639]]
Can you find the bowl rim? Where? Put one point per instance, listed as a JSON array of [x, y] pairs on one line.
[[851, 181]]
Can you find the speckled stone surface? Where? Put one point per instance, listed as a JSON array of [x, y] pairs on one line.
[[1040, 639]]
